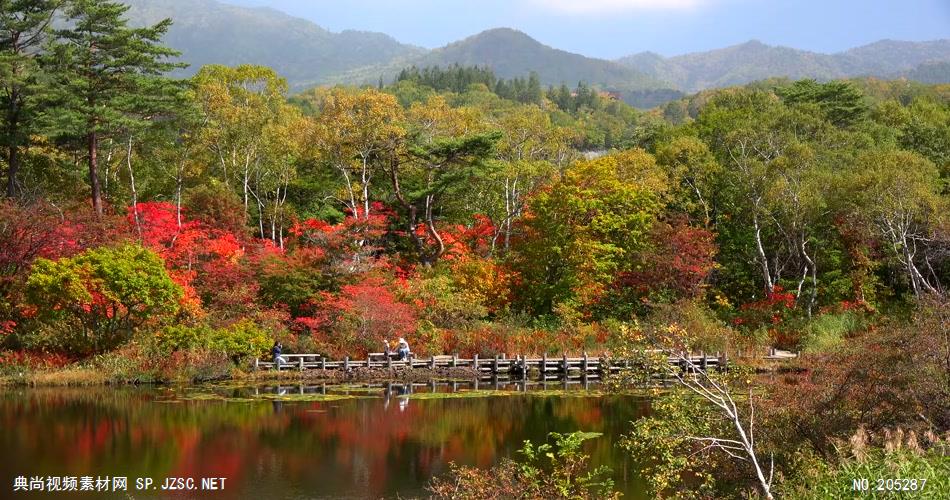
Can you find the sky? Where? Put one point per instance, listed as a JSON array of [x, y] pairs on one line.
[[614, 28]]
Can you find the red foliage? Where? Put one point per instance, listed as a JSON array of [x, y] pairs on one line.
[[207, 262], [34, 360], [43, 230], [352, 243], [772, 310], [362, 316], [462, 241], [679, 260]]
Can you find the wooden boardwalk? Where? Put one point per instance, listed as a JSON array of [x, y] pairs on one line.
[[519, 366]]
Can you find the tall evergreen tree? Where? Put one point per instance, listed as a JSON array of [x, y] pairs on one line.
[[24, 26], [110, 77]]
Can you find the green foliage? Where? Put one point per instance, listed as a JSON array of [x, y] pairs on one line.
[[558, 469], [95, 300], [237, 341], [108, 78]]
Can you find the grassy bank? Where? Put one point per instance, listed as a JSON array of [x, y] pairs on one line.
[[82, 376]]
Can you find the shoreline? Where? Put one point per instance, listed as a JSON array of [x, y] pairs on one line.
[[90, 377]]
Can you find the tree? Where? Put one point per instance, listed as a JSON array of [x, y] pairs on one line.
[[898, 194], [253, 136], [24, 30], [109, 77], [445, 154], [680, 431], [365, 314], [841, 102], [356, 132], [692, 165], [582, 231]]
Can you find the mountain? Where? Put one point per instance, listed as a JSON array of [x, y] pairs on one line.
[[511, 53], [210, 32], [890, 57], [755, 60]]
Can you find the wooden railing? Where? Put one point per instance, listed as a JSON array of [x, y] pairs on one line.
[[519, 365]]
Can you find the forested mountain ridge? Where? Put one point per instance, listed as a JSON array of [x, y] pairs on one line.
[[210, 32], [754, 60], [512, 53]]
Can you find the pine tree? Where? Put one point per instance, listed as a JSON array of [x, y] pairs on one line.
[[24, 29], [110, 77], [534, 94]]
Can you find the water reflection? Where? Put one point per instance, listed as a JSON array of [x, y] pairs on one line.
[[385, 443]]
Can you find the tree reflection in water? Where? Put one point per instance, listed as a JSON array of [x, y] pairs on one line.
[[379, 445]]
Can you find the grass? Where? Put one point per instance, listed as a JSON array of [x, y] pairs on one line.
[[826, 332]]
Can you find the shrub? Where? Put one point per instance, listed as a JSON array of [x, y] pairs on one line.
[[557, 471], [150, 360], [241, 340], [441, 302], [95, 300], [893, 375], [236, 341]]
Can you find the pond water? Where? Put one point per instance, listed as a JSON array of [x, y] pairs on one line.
[[378, 442]]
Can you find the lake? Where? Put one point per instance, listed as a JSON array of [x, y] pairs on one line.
[[385, 442]]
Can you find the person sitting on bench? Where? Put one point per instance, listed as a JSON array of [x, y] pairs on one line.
[[403, 349], [276, 352]]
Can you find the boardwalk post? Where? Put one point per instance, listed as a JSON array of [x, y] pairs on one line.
[[475, 362], [702, 363], [455, 360], [584, 365], [323, 363], [409, 360], [564, 363], [346, 363], [494, 366], [369, 361], [544, 364], [524, 367], [432, 361], [257, 364], [389, 361], [301, 364]]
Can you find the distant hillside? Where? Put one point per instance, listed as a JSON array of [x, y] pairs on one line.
[[755, 60], [209, 32], [935, 72]]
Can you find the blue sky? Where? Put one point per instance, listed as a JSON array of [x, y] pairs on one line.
[[614, 28]]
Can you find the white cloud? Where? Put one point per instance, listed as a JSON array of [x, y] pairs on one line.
[[612, 6]]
